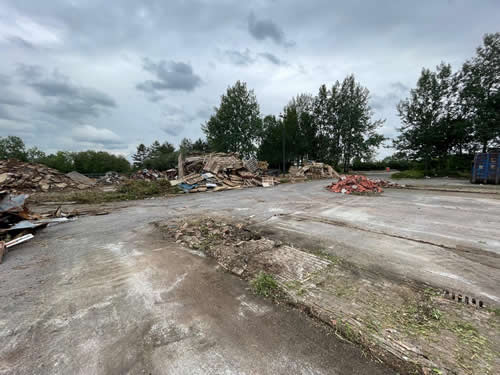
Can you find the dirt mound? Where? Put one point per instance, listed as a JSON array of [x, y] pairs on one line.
[[17, 176], [80, 178]]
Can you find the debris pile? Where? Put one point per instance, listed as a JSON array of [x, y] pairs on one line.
[[153, 175], [17, 223], [111, 178], [235, 248], [314, 170], [80, 178], [218, 171], [18, 176], [349, 184]]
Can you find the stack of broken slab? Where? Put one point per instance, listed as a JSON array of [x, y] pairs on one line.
[[17, 223], [18, 176], [218, 171], [314, 170]]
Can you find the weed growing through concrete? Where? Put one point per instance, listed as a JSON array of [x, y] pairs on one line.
[[264, 285]]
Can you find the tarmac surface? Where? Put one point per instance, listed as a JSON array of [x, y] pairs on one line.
[[106, 295]]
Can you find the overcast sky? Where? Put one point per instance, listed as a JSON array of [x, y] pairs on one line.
[[108, 75]]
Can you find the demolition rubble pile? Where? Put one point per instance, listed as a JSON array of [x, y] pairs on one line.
[[153, 175], [349, 184], [218, 171], [314, 170], [17, 223], [111, 178], [17, 176]]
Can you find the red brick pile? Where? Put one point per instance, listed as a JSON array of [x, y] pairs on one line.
[[356, 184]]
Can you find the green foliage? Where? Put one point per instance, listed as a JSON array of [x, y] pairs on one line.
[[264, 284], [333, 127], [479, 92], [236, 125], [140, 155], [450, 113], [412, 173], [35, 155], [99, 162], [157, 156], [427, 127], [12, 147], [62, 161], [131, 190], [270, 148]]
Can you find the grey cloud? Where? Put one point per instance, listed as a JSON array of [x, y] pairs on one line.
[[398, 86], [91, 134], [265, 28], [20, 42], [29, 73], [6, 115], [272, 58], [244, 58], [174, 129], [170, 75], [63, 98]]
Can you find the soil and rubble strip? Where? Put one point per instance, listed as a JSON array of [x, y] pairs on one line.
[[414, 328]]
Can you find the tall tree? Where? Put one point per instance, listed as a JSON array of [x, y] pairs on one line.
[[140, 155], [480, 91], [200, 145], [12, 147], [236, 125], [427, 125], [270, 147], [186, 146], [358, 132]]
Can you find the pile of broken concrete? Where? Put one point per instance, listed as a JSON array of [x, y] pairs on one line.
[[217, 171], [153, 175], [349, 184], [313, 170], [17, 223], [235, 248], [18, 176]]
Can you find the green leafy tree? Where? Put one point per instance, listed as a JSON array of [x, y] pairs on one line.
[[99, 162], [236, 125], [160, 156], [358, 132], [201, 145], [480, 91], [35, 155], [186, 146], [62, 161], [12, 147], [140, 155], [428, 128], [270, 147]]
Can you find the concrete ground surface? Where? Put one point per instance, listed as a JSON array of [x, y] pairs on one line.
[[106, 295]]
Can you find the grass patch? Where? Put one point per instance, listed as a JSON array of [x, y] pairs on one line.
[[131, 190], [264, 285], [412, 173], [284, 180]]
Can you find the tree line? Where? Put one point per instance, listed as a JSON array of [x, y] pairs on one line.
[[87, 162], [335, 126], [453, 113], [163, 156]]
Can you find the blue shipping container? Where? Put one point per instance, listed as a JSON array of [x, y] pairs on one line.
[[486, 168]]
